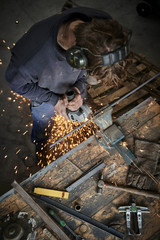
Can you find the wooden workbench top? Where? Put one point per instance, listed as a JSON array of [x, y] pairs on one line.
[[141, 122]]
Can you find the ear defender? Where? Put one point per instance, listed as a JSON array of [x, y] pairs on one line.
[[76, 58]]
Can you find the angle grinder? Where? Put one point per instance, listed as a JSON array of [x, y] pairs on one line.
[[81, 114]]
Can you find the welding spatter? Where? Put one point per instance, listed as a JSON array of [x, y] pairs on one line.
[[81, 114]]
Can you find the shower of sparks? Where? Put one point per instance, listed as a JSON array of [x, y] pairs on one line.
[[55, 132], [22, 104], [15, 170], [18, 151], [25, 132], [124, 144], [58, 130], [141, 150]]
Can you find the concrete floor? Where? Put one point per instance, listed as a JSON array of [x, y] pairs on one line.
[[16, 17]]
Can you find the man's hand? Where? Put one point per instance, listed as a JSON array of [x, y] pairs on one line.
[[60, 107], [77, 101]]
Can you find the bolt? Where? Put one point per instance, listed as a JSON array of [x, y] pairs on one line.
[[83, 228], [100, 185]]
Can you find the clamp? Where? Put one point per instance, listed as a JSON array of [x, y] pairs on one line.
[[137, 217]]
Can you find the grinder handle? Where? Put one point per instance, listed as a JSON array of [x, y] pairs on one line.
[[70, 94]]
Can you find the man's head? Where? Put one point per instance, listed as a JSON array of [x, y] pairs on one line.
[[101, 36]]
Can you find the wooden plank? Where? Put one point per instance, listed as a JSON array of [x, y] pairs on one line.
[[151, 222], [90, 173], [88, 156], [135, 69], [143, 149], [153, 88], [106, 214], [138, 72], [138, 116], [95, 91], [128, 102], [107, 99], [150, 131]]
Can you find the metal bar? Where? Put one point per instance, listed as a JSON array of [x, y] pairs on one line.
[[81, 216], [134, 90], [125, 153], [134, 191], [85, 177], [47, 219], [93, 167]]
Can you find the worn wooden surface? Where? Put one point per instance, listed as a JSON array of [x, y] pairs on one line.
[[102, 208], [139, 71], [139, 118]]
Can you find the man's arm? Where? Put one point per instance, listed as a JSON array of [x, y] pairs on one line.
[[81, 84], [80, 88], [29, 89]]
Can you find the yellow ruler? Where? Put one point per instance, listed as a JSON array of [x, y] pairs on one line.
[[51, 193]]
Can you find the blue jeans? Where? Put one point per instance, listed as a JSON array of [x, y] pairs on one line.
[[42, 114]]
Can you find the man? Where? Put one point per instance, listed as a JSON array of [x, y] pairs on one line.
[[39, 70]]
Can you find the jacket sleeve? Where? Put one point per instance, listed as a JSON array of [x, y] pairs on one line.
[[27, 88], [81, 84]]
